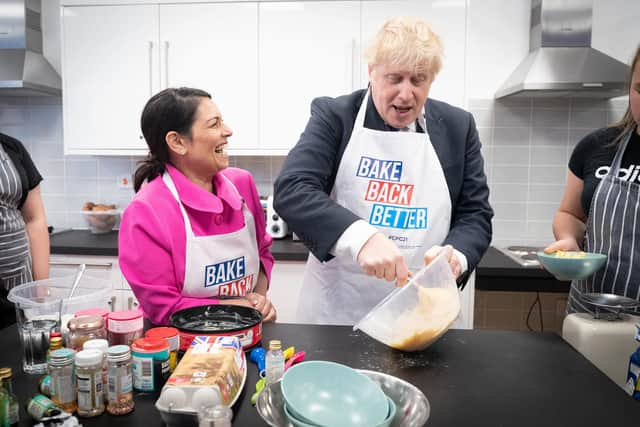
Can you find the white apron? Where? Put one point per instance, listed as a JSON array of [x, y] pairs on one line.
[[393, 180], [219, 266]]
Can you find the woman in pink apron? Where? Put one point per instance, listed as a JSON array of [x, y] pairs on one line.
[[194, 234]]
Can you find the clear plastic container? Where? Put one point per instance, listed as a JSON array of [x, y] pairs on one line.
[[39, 311], [414, 316]]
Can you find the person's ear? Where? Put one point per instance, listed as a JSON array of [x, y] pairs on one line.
[[176, 143], [370, 69]]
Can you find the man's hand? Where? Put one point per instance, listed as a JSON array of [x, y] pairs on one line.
[[381, 258], [453, 260]]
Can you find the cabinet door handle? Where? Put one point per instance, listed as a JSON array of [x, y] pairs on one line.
[[76, 264], [150, 68], [166, 64], [351, 65], [112, 303]]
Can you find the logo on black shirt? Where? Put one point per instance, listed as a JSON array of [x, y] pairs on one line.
[[626, 174]]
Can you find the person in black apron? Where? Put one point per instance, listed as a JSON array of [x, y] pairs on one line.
[[604, 180], [24, 238]]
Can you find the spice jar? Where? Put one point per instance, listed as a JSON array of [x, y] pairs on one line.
[[124, 327], [63, 381], [120, 383], [150, 358], [102, 346], [85, 328], [172, 336], [89, 383]]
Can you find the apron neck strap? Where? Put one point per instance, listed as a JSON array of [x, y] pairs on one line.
[[174, 191], [617, 160]]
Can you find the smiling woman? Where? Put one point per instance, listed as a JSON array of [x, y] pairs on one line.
[[194, 234]]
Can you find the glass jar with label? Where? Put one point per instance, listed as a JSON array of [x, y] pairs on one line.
[[89, 383], [63, 381], [85, 328], [125, 327], [172, 336], [120, 382], [150, 359], [13, 415], [102, 346]]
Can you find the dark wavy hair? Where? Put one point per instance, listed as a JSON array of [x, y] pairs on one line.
[[626, 124], [172, 109]]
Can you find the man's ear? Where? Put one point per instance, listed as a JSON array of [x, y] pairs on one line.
[[176, 143]]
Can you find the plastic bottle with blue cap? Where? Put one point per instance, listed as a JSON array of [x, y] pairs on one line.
[[633, 373]]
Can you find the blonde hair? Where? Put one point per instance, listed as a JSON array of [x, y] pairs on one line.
[[407, 42]]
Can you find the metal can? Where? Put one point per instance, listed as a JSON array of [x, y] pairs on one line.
[[150, 359], [41, 406], [172, 336]]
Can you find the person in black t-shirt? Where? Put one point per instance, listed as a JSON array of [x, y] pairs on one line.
[[600, 209], [24, 238]]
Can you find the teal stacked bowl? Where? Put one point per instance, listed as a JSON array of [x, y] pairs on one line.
[[330, 394], [572, 265]]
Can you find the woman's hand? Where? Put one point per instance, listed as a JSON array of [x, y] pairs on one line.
[[257, 301], [454, 262], [568, 244], [263, 305], [381, 258]]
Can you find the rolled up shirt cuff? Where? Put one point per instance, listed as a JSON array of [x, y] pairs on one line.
[[462, 259], [353, 239]]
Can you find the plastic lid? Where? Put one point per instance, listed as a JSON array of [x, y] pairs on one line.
[[125, 315], [275, 345], [97, 344], [92, 311], [62, 356], [88, 357], [149, 345], [55, 334], [118, 353], [87, 322], [162, 332]]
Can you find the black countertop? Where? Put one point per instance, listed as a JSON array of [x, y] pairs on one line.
[[471, 378], [495, 272]]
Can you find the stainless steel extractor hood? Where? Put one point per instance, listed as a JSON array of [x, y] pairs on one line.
[[561, 61], [23, 69]]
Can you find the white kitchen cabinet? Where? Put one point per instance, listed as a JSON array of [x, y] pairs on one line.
[[284, 290], [199, 51], [110, 61], [307, 49], [448, 20]]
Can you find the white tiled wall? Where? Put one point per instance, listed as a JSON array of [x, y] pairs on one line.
[[526, 145], [70, 181]]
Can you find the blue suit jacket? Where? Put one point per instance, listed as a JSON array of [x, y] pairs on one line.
[[301, 191]]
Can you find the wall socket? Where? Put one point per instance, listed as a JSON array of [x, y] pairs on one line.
[[124, 182]]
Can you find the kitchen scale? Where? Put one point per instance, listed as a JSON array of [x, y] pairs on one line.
[[605, 338]]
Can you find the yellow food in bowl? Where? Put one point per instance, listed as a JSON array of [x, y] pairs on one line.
[[570, 254]]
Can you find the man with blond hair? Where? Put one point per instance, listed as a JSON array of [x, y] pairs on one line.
[[383, 180]]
